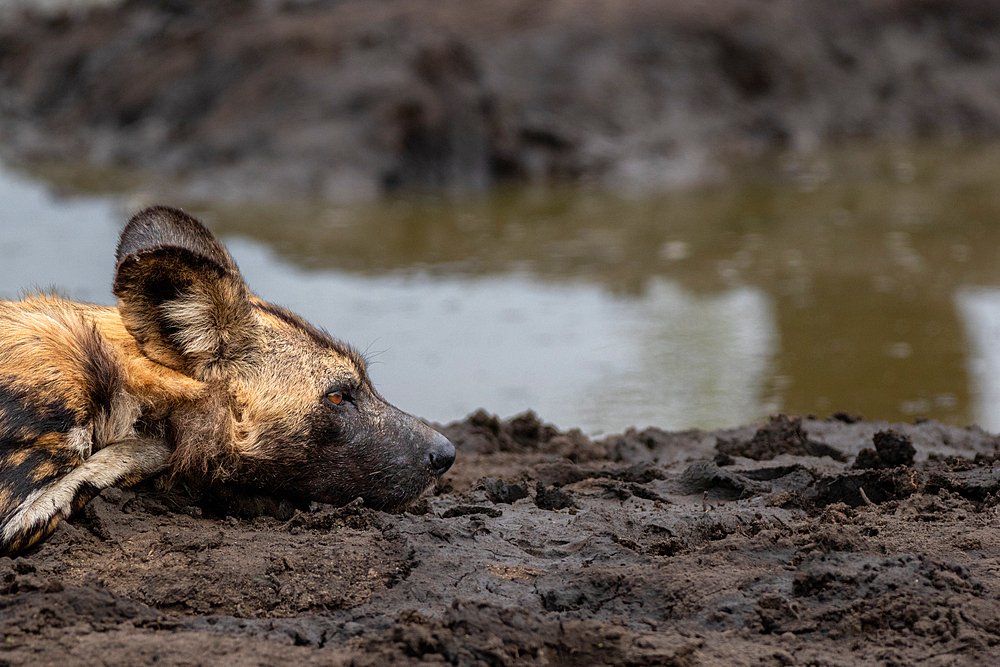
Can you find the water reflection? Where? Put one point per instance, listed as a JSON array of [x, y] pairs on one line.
[[809, 286], [980, 312]]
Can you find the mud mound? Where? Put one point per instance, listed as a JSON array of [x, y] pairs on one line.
[[544, 559], [891, 450], [653, 445], [483, 433], [781, 436], [866, 487]]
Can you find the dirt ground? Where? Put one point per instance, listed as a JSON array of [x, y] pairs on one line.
[[837, 542]]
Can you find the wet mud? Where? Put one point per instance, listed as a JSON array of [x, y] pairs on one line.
[[548, 548]]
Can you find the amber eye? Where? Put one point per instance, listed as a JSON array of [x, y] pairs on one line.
[[335, 397]]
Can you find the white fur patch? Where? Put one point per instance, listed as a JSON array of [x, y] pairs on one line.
[[133, 457], [80, 441], [118, 424], [194, 317]]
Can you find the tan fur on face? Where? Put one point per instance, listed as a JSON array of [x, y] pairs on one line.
[[283, 378]]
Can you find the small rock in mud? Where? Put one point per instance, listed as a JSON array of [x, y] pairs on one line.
[[781, 436], [891, 450], [552, 498]]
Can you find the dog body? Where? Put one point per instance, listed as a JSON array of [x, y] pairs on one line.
[[195, 377]]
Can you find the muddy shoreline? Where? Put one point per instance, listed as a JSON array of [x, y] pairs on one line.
[[548, 548], [344, 100]]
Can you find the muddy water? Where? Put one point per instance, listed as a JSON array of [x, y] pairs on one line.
[[866, 280]]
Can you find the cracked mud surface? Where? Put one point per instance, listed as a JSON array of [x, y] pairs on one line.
[[546, 548]]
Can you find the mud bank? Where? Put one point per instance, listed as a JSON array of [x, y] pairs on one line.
[[347, 99], [546, 548]]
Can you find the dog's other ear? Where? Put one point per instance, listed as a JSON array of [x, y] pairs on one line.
[[180, 293]]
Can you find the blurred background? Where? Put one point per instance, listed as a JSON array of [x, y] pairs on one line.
[[613, 212]]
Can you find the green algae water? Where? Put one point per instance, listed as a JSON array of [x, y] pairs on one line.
[[864, 280]]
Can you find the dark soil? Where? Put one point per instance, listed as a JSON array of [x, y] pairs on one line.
[[891, 450], [781, 436], [546, 548], [348, 98]]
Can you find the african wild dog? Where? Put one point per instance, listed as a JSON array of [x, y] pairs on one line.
[[194, 377]]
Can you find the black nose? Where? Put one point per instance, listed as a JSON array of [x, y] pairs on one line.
[[441, 454]]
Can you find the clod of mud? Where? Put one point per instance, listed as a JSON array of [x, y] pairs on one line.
[[499, 491], [562, 473], [856, 488], [977, 484], [891, 450], [552, 498], [31, 607], [465, 510], [483, 433], [640, 473], [652, 445], [780, 436], [846, 417], [703, 475], [353, 515]]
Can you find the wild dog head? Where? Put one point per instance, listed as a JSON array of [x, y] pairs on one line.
[[288, 411]]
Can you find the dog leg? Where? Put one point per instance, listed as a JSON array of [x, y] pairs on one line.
[[119, 464]]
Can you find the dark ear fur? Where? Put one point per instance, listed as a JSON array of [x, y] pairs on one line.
[[180, 293]]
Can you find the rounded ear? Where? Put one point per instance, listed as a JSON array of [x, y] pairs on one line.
[[180, 293]]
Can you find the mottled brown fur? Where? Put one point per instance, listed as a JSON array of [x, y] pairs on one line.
[[194, 376]]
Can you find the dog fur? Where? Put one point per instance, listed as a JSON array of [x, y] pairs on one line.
[[194, 379]]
